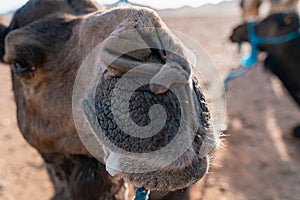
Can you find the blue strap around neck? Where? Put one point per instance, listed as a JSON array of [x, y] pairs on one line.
[[248, 61]]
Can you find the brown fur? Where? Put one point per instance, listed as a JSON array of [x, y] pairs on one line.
[[250, 8]]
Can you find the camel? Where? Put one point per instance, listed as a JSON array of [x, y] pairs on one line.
[[45, 45], [250, 8], [282, 57]]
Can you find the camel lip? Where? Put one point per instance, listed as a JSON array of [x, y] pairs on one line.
[[170, 179], [235, 39], [178, 175], [232, 39], [117, 163]]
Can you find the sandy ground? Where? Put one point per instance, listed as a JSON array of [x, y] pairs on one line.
[[258, 159]]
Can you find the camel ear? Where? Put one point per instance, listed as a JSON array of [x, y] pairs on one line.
[[3, 32]]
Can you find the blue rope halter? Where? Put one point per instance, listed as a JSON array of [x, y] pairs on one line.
[[248, 61], [141, 193]]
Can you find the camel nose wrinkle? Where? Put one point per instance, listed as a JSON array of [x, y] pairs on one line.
[[169, 73], [125, 50]]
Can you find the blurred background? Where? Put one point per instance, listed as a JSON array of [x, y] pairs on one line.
[[7, 6]]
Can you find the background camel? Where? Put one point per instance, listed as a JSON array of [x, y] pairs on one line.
[[45, 44], [250, 8], [283, 58]]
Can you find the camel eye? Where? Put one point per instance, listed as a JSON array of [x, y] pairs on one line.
[[22, 68], [287, 20]]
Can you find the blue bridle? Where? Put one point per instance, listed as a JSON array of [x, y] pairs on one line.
[[248, 61]]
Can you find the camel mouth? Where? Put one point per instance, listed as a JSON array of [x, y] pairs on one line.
[[233, 38], [186, 169], [239, 34], [169, 179]]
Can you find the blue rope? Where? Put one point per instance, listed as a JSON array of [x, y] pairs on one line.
[[141, 193], [248, 61]]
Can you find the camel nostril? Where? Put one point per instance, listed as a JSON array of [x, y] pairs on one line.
[[125, 50], [123, 62], [170, 73]]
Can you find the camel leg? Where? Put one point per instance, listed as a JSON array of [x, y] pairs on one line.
[[78, 177]]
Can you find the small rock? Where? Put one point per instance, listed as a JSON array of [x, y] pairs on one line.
[[1, 188], [224, 187], [6, 122], [210, 182]]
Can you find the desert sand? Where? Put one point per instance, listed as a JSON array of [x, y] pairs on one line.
[[258, 158]]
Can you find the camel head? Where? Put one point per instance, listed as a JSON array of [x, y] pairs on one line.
[[275, 25], [46, 43]]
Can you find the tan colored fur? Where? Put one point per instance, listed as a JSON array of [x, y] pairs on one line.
[[250, 8]]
